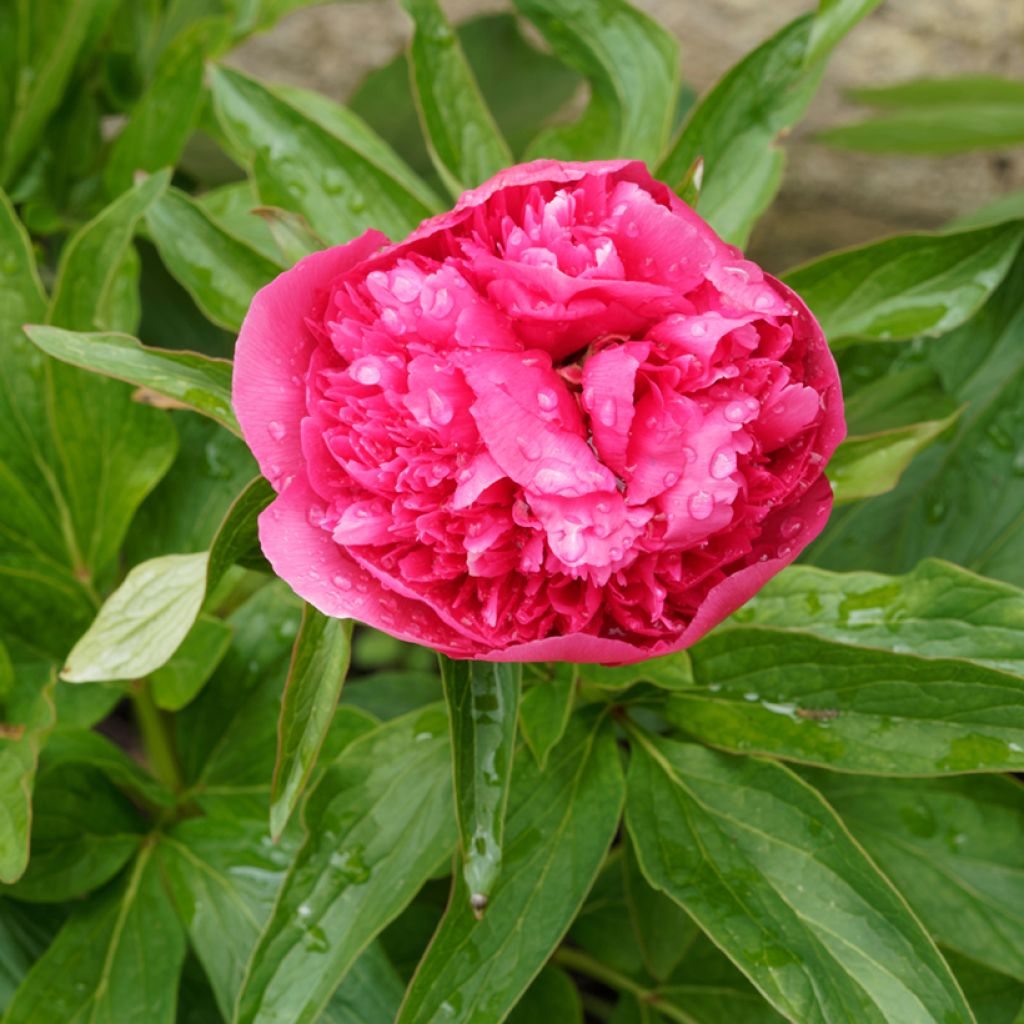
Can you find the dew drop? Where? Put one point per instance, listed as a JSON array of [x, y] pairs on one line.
[[687, 454], [547, 399], [606, 413], [405, 287], [701, 505], [529, 447], [443, 303], [791, 527], [276, 430], [632, 230], [441, 411], [723, 463], [342, 582], [735, 412], [365, 372], [671, 479]]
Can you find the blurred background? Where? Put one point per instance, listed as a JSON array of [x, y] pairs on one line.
[[830, 197]]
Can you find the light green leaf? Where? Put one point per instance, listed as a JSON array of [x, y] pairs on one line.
[[117, 959], [483, 699], [906, 285], [338, 182], [768, 871], [1007, 207], [952, 848], [850, 708], [318, 669], [379, 824], [560, 824], [292, 235], [197, 381], [220, 272], [632, 66], [937, 610], [546, 705], [464, 142], [833, 20], [89, 291], [185, 673], [936, 117], [233, 207], [143, 622]]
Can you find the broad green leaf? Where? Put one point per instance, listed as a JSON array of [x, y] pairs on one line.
[[143, 622], [662, 929], [994, 998], [464, 142], [83, 832], [483, 699], [632, 66], [379, 824], [338, 182], [220, 272], [737, 125], [936, 117], [88, 293], [25, 932], [237, 537], [28, 717], [551, 997], [961, 499], [185, 673], [850, 708], [952, 848], [937, 610], [160, 123], [197, 381], [319, 665], [292, 235], [560, 824], [670, 672], [906, 285], [867, 465], [768, 871], [387, 695], [233, 207], [371, 992], [116, 961], [899, 398], [545, 708]]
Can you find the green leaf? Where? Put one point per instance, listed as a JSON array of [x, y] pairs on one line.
[[867, 465], [464, 142], [25, 932], [482, 698], [546, 705], [329, 167], [768, 871], [994, 998], [670, 672], [1007, 207], [117, 959], [237, 537], [632, 66], [292, 235], [962, 498], [560, 824], [936, 117], [386, 695], [937, 610], [233, 207], [197, 381], [379, 824], [88, 293], [906, 285], [319, 664], [220, 272], [143, 622], [185, 673], [370, 993], [551, 997], [952, 848], [83, 832], [663, 930], [160, 123], [850, 708], [737, 125]]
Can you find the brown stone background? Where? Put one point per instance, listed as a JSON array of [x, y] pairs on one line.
[[829, 198]]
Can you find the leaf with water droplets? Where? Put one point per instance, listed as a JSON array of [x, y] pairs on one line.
[[483, 700], [561, 822], [769, 872], [801, 697]]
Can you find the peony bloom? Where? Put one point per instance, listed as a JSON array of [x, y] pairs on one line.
[[564, 421]]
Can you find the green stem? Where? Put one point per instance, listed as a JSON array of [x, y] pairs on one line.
[[575, 960], [157, 743]]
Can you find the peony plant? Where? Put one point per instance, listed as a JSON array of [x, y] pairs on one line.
[[445, 580]]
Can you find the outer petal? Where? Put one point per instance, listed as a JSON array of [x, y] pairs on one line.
[[273, 351]]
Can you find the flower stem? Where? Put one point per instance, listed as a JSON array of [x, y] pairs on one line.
[[157, 742]]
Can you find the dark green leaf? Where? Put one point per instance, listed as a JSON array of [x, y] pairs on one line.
[[25, 932], [180, 678], [464, 142], [850, 708], [670, 672], [551, 997], [379, 824], [546, 705], [115, 961], [632, 66], [560, 824], [319, 664], [195, 380], [370, 993], [769, 872], [387, 695], [994, 998], [220, 272], [937, 610], [328, 167], [482, 698], [906, 285], [237, 539], [952, 848]]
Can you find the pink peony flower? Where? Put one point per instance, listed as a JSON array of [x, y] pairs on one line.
[[564, 421]]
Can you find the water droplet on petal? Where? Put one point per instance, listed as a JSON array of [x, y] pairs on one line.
[[443, 303], [529, 447], [441, 411], [698, 329], [701, 505], [632, 230], [735, 412], [547, 399], [276, 430], [606, 412], [791, 527], [671, 479], [342, 582], [723, 463]]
